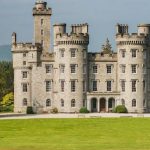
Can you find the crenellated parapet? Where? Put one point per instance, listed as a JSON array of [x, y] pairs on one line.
[[26, 47], [78, 35], [48, 57]]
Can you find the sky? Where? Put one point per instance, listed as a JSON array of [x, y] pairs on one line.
[[101, 15]]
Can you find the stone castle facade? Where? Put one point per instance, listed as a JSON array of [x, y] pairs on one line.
[[69, 77]]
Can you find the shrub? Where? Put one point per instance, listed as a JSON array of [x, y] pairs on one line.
[[120, 109], [84, 110], [30, 110], [54, 110]]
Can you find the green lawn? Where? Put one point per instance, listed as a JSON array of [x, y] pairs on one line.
[[75, 134]]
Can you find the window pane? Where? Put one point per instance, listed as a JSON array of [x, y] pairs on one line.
[[48, 86], [94, 85], [108, 68], [95, 69], [108, 85], [73, 86]]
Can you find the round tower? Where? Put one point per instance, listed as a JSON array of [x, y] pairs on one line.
[[71, 73], [144, 29], [131, 65]]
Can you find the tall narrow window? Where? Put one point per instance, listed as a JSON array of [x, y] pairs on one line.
[[73, 86], [133, 51], [109, 68], [24, 54], [48, 103], [144, 85], [123, 85], [133, 85], [73, 52], [24, 74], [62, 52], [123, 53], [73, 103], [42, 21], [49, 68], [62, 82], [25, 103], [84, 86], [94, 68], [48, 86], [62, 103], [62, 68], [24, 63], [109, 85], [24, 87], [123, 68], [42, 32], [94, 85], [73, 68], [134, 68], [134, 103], [84, 68]]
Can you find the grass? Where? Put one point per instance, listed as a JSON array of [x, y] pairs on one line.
[[75, 134]]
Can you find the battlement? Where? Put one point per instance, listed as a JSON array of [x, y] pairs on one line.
[[20, 47], [78, 35], [102, 57]]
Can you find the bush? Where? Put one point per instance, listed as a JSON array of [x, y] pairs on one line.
[[30, 110], [54, 110], [84, 110], [120, 109]]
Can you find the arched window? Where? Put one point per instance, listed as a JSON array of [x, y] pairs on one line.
[[25, 102], [134, 103], [73, 103], [62, 102], [48, 102], [123, 102]]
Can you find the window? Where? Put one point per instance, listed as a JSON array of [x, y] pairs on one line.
[[24, 74], [62, 52], [144, 85], [25, 103], [133, 67], [84, 54], [73, 103], [48, 86], [73, 86], [123, 85], [94, 85], [133, 51], [84, 103], [95, 69], [24, 55], [122, 101], [48, 68], [24, 87], [123, 53], [62, 102], [42, 21], [133, 85], [62, 68], [73, 68], [84, 68], [62, 82], [48, 103], [134, 103], [42, 32], [73, 52], [108, 85], [84, 86], [24, 63], [123, 69], [108, 68]]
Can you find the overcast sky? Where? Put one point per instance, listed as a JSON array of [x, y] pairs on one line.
[[101, 15]]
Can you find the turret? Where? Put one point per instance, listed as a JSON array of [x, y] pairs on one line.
[[121, 29], [80, 28], [144, 29], [14, 38], [41, 14]]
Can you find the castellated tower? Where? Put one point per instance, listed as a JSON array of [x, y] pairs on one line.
[[71, 66], [133, 67], [42, 15]]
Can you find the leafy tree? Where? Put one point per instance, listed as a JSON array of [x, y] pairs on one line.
[[8, 99]]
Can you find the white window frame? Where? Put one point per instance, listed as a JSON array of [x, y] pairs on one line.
[[94, 85], [109, 85], [48, 86], [73, 85], [95, 68], [134, 68], [134, 84]]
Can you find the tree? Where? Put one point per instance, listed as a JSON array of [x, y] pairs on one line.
[[8, 99]]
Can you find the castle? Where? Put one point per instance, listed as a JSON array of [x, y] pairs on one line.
[[69, 77]]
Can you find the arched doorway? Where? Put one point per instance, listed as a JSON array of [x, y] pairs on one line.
[[93, 105], [102, 105], [111, 104]]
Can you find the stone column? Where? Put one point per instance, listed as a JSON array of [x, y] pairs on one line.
[[89, 104]]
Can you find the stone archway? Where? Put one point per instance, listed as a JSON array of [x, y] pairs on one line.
[[102, 105], [111, 104], [93, 105]]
